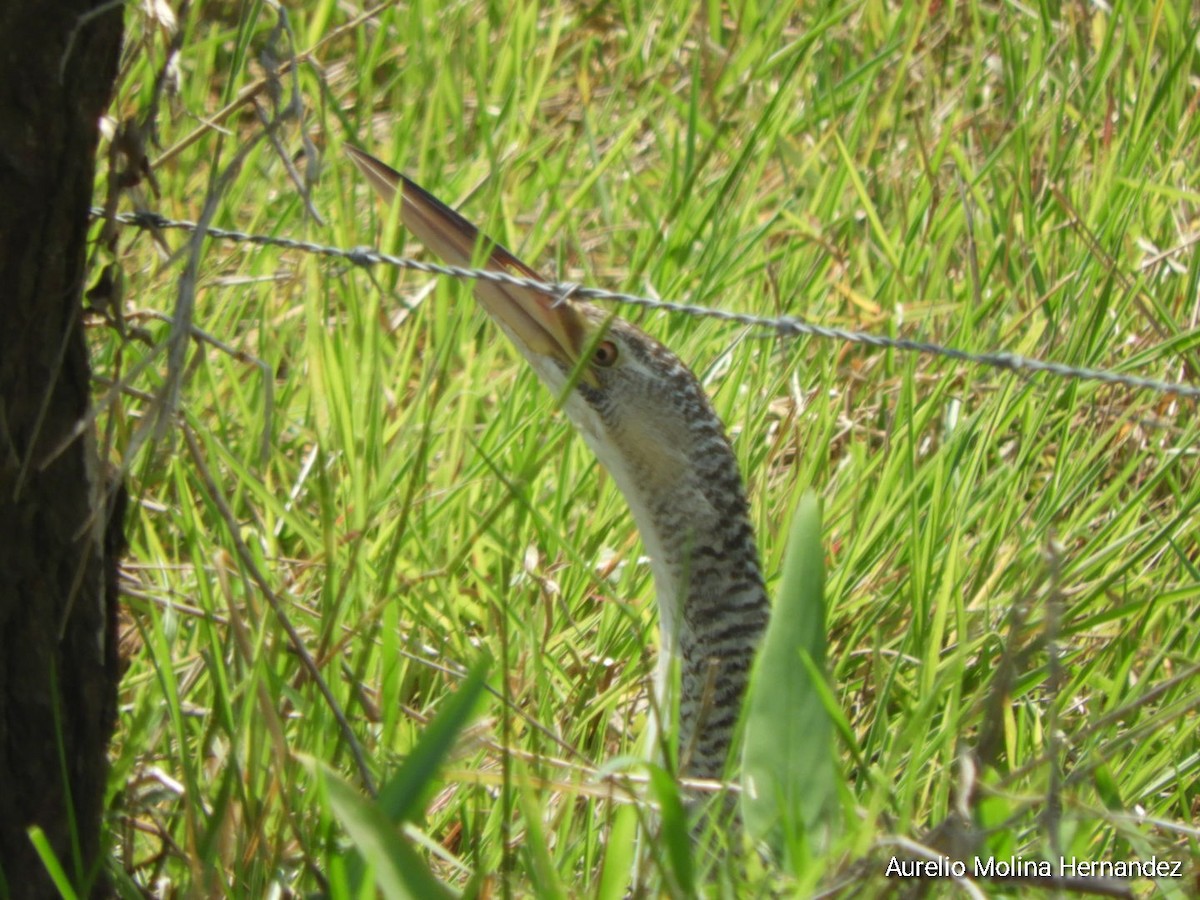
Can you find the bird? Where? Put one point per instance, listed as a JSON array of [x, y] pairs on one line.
[[649, 422]]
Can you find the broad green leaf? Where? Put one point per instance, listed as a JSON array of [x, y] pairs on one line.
[[788, 764]]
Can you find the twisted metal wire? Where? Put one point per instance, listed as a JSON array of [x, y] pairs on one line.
[[787, 326]]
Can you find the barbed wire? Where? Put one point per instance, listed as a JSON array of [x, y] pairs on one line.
[[787, 326]]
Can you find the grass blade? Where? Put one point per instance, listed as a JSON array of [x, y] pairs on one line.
[[401, 798], [674, 836], [399, 872], [618, 855], [375, 826], [53, 867]]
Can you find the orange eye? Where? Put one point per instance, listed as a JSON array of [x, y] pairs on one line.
[[605, 354]]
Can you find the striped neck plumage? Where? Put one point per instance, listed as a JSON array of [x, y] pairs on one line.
[[657, 434]]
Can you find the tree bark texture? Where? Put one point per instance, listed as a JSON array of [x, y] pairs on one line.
[[58, 662]]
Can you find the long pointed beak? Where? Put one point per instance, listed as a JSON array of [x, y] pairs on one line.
[[536, 322]]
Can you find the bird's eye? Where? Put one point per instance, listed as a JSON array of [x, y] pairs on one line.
[[605, 354]]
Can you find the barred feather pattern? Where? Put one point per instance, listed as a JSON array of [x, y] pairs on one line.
[[713, 604]]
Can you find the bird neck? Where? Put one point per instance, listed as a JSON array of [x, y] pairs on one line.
[[714, 611], [713, 606]]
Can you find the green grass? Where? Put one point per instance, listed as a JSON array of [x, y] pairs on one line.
[[991, 177]]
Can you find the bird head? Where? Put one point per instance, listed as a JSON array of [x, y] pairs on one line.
[[635, 404]]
